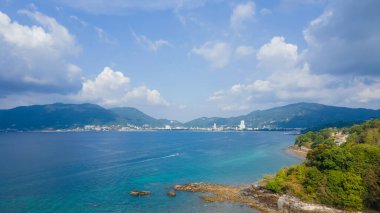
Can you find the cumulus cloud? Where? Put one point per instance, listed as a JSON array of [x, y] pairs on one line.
[[241, 14], [289, 78], [277, 54], [112, 88], [345, 39], [153, 46], [339, 66], [35, 58], [217, 53]]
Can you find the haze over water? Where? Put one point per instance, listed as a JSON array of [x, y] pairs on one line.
[[94, 171]]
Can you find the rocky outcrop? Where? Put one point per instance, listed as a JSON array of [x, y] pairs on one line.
[[223, 193], [139, 193], [289, 204], [254, 196]]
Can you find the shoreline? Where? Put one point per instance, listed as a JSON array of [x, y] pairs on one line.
[[253, 196], [147, 130], [297, 151], [256, 196]]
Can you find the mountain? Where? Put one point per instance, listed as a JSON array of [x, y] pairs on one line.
[[299, 115], [129, 115], [63, 116]]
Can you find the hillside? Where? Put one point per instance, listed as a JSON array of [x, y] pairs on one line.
[[63, 116], [299, 115], [53, 116], [344, 174]]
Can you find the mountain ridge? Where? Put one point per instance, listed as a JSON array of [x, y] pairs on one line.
[[65, 116], [297, 115]]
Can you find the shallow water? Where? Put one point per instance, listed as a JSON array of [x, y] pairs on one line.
[[94, 171]]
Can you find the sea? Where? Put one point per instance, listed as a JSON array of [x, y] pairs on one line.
[[95, 171]]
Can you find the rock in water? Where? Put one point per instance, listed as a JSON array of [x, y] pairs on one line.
[[171, 194], [139, 193], [134, 193]]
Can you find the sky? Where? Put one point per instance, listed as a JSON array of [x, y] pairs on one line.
[[183, 59]]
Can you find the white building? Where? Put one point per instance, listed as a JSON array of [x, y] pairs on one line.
[[214, 127], [242, 125]]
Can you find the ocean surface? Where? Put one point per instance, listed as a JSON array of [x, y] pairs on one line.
[[94, 171]]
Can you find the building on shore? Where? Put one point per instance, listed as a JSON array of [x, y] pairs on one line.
[[214, 127], [242, 125]]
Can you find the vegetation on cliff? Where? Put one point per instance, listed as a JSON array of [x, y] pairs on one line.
[[368, 132], [344, 175]]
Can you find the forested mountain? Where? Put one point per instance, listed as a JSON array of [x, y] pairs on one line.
[[299, 115]]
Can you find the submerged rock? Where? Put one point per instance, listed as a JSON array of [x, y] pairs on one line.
[[139, 193], [171, 194]]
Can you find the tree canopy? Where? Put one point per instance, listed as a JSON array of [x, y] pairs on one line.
[[346, 176]]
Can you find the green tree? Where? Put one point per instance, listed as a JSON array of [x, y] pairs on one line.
[[342, 189]]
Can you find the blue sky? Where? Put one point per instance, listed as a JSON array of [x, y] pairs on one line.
[[186, 59]]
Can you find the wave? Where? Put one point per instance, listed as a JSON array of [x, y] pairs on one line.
[[130, 162], [156, 158], [42, 180]]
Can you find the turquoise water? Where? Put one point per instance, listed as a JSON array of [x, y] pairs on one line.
[[94, 172]]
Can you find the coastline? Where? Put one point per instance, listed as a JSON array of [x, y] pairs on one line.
[[254, 196], [297, 151]]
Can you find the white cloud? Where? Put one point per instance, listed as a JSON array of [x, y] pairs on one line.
[[35, 57], [340, 65], [72, 68], [244, 50], [241, 14], [56, 37], [153, 46], [103, 36], [277, 55], [345, 39], [217, 53], [289, 79], [366, 93], [100, 32], [142, 95], [112, 88], [78, 20]]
